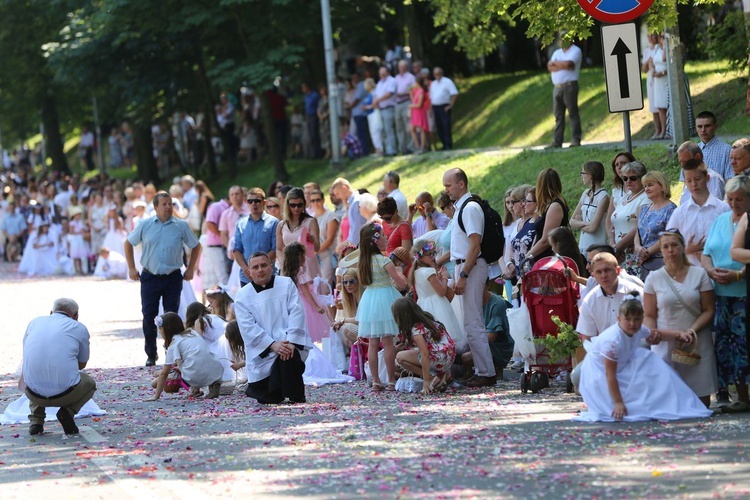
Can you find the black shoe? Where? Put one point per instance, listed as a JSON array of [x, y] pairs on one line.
[[35, 429], [67, 421], [151, 361]]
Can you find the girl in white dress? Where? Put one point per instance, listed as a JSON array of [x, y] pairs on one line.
[[621, 380], [115, 237], [433, 293], [43, 259], [79, 249], [186, 350], [211, 327]]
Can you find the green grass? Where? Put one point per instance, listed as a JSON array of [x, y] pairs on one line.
[[490, 172], [516, 109]]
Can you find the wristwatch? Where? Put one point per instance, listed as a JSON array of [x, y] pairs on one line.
[[463, 275]]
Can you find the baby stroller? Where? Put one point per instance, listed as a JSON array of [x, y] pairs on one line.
[[548, 292]]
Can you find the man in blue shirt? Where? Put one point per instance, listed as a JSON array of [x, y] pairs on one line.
[[163, 237], [311, 117], [358, 113], [343, 191], [13, 227], [255, 233]]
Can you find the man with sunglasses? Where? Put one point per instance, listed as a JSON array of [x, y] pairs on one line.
[[255, 232], [694, 217]]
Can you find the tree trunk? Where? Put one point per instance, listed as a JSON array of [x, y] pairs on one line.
[[208, 119], [230, 154], [274, 148], [144, 152], [55, 143], [746, 10]]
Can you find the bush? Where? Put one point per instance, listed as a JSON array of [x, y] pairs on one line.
[[727, 40]]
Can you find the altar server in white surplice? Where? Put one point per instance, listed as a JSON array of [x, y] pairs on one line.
[[272, 323]]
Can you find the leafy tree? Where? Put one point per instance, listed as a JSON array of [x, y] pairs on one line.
[[474, 22]]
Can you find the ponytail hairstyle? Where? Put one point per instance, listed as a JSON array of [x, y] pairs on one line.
[[596, 170], [236, 344], [292, 255], [171, 325], [419, 250], [567, 246], [368, 249], [220, 301], [197, 312], [631, 305], [407, 313]]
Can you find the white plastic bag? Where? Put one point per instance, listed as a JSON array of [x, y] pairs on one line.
[[382, 369], [519, 321], [333, 348]]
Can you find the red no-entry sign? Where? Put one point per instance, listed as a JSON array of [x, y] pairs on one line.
[[615, 11]]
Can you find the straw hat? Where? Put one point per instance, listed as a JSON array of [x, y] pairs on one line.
[[73, 211], [350, 260]]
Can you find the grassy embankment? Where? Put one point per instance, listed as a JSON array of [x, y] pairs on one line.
[[514, 110]]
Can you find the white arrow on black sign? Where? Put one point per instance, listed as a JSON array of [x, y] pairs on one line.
[[622, 67]]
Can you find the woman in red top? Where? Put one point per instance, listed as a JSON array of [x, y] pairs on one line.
[[420, 103], [396, 229]]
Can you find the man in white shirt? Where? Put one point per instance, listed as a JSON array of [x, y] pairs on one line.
[[55, 349], [715, 151], [695, 216], [565, 65], [404, 82], [739, 156], [443, 95], [429, 218], [599, 308], [384, 98], [391, 181], [343, 191], [690, 152], [470, 275]]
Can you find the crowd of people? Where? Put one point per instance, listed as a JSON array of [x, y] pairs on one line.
[[402, 286]]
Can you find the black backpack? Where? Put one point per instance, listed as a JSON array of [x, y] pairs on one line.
[[493, 240]]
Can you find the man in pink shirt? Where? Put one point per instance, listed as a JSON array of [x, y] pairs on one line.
[[404, 82], [228, 223], [213, 266]]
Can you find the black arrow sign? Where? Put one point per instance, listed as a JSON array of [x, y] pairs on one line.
[[621, 51]]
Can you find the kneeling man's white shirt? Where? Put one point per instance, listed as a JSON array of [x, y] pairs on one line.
[[273, 315], [52, 348], [599, 311]]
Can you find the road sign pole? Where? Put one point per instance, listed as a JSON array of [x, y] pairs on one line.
[[626, 128]]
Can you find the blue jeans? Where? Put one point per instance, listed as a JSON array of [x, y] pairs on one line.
[[443, 125], [363, 133], [389, 128], [154, 288]]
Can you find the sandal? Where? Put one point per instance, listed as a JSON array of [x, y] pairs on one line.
[[390, 386], [377, 387]]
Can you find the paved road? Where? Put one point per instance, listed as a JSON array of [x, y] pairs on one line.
[[344, 442]]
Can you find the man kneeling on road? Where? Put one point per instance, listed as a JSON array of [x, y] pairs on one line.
[[600, 307], [55, 349], [272, 324]]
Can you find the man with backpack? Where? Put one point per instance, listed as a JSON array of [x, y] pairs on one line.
[[471, 270]]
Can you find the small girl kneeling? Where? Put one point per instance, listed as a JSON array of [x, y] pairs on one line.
[[187, 349], [430, 349], [621, 380]]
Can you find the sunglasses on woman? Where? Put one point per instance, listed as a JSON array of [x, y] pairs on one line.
[[296, 205], [271, 207], [349, 282], [631, 178]]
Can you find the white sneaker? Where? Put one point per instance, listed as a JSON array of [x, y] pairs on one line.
[[517, 366]]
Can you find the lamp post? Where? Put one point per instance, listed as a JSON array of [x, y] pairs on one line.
[[333, 91]]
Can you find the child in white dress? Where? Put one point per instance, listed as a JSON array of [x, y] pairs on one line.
[[433, 293], [79, 249], [623, 380], [188, 352], [211, 327], [43, 261]]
